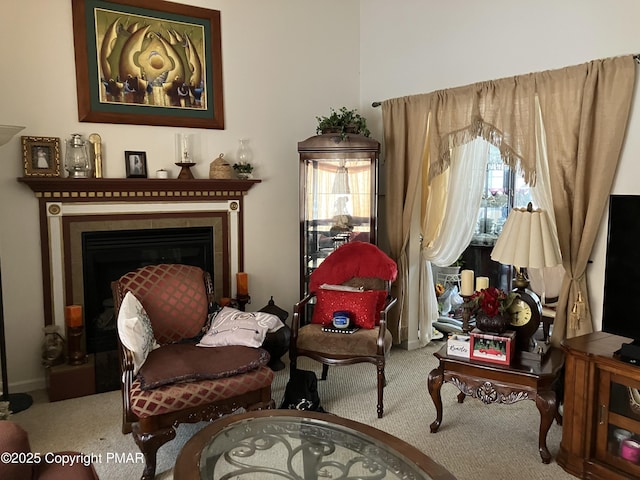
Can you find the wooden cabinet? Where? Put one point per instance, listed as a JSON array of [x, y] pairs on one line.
[[600, 404], [338, 196]]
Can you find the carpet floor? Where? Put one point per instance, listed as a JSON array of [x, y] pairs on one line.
[[475, 441]]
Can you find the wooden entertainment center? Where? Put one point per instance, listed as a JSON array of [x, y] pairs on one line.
[[600, 404]]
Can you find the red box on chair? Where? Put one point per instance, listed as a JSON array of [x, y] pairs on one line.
[[489, 347]]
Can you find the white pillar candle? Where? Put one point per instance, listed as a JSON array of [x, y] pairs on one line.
[[482, 283], [466, 288]]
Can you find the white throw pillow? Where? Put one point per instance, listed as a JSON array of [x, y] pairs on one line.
[[234, 327], [135, 331]]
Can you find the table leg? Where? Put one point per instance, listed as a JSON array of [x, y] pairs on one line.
[[546, 403], [436, 377]]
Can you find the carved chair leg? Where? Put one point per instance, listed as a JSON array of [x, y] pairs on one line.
[[149, 443]]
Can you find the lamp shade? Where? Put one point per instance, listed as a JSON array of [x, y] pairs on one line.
[[527, 241], [7, 132]]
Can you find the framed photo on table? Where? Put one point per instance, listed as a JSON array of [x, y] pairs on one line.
[[135, 164], [148, 62], [41, 156]]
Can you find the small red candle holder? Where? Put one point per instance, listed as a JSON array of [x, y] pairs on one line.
[[75, 330]]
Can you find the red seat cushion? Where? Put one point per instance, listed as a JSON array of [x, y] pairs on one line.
[[363, 307]]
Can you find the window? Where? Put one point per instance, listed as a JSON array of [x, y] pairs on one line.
[[504, 189]]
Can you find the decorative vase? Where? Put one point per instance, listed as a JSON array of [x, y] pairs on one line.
[[52, 347], [496, 324]]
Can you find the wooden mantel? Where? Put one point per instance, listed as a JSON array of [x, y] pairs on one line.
[[120, 199], [135, 189]]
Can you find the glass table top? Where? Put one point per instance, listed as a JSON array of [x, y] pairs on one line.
[[301, 447]]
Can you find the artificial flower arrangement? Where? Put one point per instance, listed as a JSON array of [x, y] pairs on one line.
[[492, 301]]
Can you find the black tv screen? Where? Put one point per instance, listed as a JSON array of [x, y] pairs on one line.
[[622, 271]]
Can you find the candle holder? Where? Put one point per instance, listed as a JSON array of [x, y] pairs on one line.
[[466, 314], [185, 170], [242, 301], [75, 352]]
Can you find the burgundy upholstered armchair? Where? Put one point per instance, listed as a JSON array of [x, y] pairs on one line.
[[367, 272], [179, 382]]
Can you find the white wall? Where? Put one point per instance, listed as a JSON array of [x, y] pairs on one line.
[[283, 65], [417, 46]]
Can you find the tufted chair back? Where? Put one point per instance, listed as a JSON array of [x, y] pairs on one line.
[[174, 296]]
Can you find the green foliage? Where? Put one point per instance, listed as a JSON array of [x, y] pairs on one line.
[[243, 167], [343, 121]]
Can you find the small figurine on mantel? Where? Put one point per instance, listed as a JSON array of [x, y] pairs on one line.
[[220, 168]]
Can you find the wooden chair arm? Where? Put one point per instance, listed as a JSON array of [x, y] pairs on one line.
[[298, 310], [382, 330]]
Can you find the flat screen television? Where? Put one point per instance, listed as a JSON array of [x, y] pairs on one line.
[[622, 271]]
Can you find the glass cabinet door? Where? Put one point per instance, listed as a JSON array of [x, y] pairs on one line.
[[338, 198], [618, 425]]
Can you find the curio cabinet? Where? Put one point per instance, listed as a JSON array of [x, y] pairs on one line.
[[338, 196]]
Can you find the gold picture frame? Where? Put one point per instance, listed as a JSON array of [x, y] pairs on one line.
[[41, 156]]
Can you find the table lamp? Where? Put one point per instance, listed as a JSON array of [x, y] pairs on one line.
[[526, 241]]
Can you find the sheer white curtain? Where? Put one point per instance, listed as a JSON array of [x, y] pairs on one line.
[[549, 279], [443, 244]]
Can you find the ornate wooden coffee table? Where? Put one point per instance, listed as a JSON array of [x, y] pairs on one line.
[[276, 444], [492, 383]]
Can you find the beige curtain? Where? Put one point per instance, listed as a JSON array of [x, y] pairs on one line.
[[405, 127], [585, 110]]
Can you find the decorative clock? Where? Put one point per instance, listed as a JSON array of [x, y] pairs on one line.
[[526, 314]]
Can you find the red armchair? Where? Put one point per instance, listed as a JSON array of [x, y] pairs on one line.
[[355, 264], [180, 382]]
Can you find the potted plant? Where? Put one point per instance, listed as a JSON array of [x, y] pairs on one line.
[[343, 121], [243, 170]]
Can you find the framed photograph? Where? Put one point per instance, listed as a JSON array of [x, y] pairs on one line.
[[148, 62], [41, 156], [135, 164]]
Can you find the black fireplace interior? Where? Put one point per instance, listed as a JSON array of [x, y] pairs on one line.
[[107, 255]]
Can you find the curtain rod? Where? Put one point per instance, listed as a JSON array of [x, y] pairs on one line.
[[636, 57]]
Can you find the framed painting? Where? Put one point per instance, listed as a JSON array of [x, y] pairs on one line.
[[41, 156], [148, 62], [135, 164]]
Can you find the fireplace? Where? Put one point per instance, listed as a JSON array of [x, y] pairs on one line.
[[198, 222], [107, 255]]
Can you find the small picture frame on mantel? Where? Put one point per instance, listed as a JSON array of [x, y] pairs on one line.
[[41, 156], [135, 164]]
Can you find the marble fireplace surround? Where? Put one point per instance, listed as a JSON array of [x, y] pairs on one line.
[[68, 207]]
